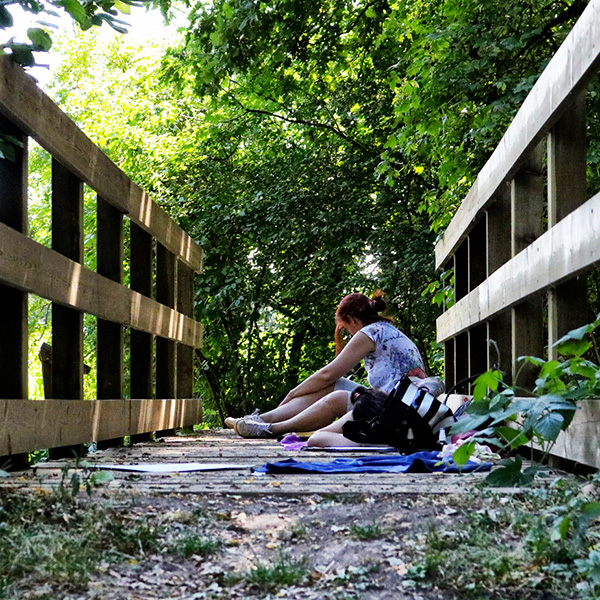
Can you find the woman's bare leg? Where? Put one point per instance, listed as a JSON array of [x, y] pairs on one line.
[[318, 414], [332, 435], [294, 407]]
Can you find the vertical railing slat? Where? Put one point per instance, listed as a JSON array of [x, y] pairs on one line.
[[109, 263], [165, 349], [13, 303], [567, 303], [527, 193], [185, 354], [67, 323]]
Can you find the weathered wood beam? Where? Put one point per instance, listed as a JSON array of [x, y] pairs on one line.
[[29, 425], [31, 267]]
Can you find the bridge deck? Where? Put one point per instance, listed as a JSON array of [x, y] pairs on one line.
[[224, 446]]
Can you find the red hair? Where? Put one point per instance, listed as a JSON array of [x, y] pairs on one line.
[[357, 306]]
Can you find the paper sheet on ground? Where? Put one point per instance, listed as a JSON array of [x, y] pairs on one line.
[[172, 467]]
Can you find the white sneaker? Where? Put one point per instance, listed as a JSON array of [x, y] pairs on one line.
[[249, 428], [231, 421]]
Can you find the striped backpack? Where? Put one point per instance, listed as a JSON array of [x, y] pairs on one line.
[[411, 419]]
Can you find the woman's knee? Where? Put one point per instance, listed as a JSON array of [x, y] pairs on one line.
[[337, 401]]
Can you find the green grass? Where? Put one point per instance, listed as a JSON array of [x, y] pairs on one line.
[[194, 544], [519, 547], [52, 540], [366, 532], [283, 572]]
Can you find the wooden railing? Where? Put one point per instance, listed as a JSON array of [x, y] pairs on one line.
[[161, 374], [526, 237]]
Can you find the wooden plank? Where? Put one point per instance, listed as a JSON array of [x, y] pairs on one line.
[[527, 203], [67, 323], [477, 254], [165, 348], [527, 340], [185, 354], [561, 253], [109, 263], [149, 216], [500, 346], [569, 71], [461, 271], [461, 362], [498, 223], [567, 304], [478, 353], [13, 303], [577, 443], [141, 375], [29, 425], [449, 366], [31, 267], [35, 113]]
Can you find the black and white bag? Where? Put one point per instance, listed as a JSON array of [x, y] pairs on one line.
[[411, 420]]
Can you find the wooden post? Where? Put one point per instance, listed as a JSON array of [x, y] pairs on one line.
[[13, 303], [67, 323], [527, 199], [498, 221], [449, 363], [109, 261], [461, 362], [567, 303], [185, 354], [66, 381], [461, 271], [478, 355], [141, 271], [477, 254], [165, 349]]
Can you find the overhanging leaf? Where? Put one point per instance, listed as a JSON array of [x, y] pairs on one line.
[[463, 453], [40, 39], [549, 426], [6, 19]]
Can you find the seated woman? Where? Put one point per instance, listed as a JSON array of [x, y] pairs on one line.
[[317, 401]]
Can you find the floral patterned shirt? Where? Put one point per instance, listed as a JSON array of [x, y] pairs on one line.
[[395, 355]]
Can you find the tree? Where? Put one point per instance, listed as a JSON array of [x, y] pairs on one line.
[[313, 149]]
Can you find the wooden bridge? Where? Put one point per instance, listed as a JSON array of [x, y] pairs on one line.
[[520, 246]]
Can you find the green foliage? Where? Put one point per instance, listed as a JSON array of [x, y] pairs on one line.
[[366, 532], [500, 416], [282, 572], [86, 13], [516, 546], [190, 544], [312, 149]]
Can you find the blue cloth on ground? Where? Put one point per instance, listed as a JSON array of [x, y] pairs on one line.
[[419, 462]]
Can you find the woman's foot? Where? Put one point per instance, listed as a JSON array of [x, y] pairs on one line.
[[249, 428], [231, 421]]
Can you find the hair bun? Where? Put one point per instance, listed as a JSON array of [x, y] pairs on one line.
[[377, 303]]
